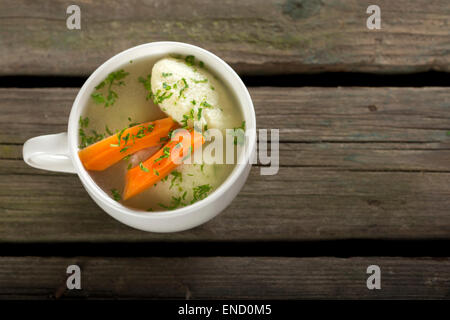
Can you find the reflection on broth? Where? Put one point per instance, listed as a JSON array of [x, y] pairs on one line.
[[180, 89]]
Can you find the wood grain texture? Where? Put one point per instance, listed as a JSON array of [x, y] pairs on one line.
[[370, 163], [362, 115], [295, 204], [255, 37], [225, 278]]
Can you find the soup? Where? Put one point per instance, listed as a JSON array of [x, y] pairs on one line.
[[142, 104]]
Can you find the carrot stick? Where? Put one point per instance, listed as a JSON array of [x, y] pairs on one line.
[[111, 150], [161, 163]]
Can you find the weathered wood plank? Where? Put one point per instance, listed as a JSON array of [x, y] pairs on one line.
[[425, 157], [295, 204], [367, 163], [255, 37], [302, 114], [225, 278]]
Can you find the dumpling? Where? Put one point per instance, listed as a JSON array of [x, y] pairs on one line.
[[190, 93]]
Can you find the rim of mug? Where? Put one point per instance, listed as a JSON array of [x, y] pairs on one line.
[[92, 186]]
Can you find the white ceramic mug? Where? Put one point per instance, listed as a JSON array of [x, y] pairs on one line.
[[59, 152]]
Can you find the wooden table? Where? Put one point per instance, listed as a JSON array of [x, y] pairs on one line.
[[364, 176]]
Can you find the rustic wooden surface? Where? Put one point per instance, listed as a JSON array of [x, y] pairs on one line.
[[365, 163], [255, 37], [224, 278], [357, 163]]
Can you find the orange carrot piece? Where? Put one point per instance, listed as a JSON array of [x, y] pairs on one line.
[[109, 151], [163, 162]]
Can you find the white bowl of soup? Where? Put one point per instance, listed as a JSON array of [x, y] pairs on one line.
[[122, 132]]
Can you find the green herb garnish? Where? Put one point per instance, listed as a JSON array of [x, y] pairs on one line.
[[109, 132], [143, 168], [86, 139], [200, 81], [201, 192], [176, 175], [148, 86], [84, 123], [205, 104], [175, 203], [239, 134], [185, 86], [119, 135], [190, 60], [116, 195], [113, 79], [159, 98], [166, 154]]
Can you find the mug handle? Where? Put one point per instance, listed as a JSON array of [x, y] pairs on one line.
[[49, 152]]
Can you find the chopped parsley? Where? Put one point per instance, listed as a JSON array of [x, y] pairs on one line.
[[132, 124], [148, 86], [166, 154], [86, 139], [109, 132], [200, 81], [199, 113], [119, 136], [116, 195], [155, 172], [190, 60], [176, 176], [184, 88], [201, 192], [175, 203], [124, 149], [143, 168], [159, 98], [84, 123], [113, 79], [166, 74], [239, 134], [205, 104]]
